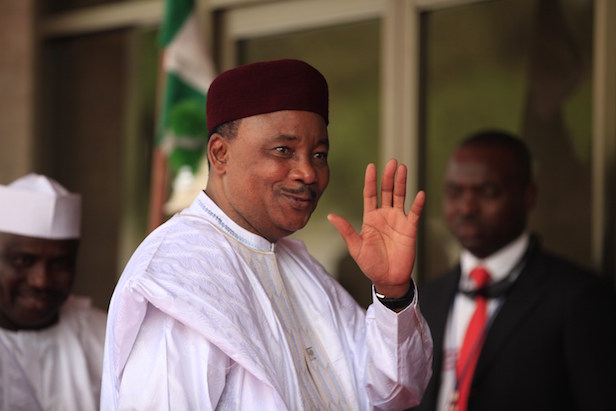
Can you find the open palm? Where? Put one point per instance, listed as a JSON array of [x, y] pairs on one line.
[[385, 248]]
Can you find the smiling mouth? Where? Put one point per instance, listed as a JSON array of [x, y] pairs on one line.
[[300, 202], [467, 229], [35, 301], [301, 198]]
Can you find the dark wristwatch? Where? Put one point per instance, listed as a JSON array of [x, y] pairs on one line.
[[395, 303]]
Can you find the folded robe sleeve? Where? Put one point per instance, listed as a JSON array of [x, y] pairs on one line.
[[399, 378]]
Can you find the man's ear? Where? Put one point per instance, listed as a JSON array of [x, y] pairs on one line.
[[530, 196], [217, 151]]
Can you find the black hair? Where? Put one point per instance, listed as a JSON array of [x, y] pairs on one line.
[[228, 130], [507, 141]]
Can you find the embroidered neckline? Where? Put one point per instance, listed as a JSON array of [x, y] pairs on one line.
[[220, 221]]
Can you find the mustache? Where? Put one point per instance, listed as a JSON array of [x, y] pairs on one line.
[[302, 190], [467, 218], [38, 293]]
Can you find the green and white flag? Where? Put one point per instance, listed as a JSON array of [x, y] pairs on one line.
[[182, 129]]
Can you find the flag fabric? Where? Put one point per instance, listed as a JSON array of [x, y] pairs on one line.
[[188, 72]]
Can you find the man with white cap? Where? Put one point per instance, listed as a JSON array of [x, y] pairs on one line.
[[51, 342], [219, 309]]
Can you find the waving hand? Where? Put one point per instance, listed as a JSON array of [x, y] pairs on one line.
[[385, 248]]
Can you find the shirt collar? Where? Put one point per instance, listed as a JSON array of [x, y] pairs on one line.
[[499, 264], [206, 208]]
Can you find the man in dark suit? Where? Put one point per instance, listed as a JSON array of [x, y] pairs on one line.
[[541, 332]]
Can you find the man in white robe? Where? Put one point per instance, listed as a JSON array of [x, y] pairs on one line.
[[51, 342], [218, 309]]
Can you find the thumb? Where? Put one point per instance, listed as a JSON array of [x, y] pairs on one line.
[[348, 233]]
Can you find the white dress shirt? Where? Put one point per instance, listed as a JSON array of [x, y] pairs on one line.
[[499, 265]]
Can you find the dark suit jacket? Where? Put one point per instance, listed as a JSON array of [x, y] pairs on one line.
[[552, 346]]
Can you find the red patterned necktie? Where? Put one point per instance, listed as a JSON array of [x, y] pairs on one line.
[[473, 340]]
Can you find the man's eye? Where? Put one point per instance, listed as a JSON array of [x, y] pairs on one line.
[[22, 260], [321, 155], [283, 150], [489, 191], [63, 263], [452, 191]]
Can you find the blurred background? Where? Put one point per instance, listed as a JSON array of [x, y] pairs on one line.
[[84, 85]]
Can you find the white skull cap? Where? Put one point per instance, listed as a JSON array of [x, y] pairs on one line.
[[38, 206]]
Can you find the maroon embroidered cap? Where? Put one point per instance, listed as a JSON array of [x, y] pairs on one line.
[[265, 87]]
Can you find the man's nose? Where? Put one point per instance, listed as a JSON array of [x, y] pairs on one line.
[[39, 275], [304, 170], [468, 203]]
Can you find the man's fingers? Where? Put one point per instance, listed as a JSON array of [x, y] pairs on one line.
[[387, 183], [348, 233], [393, 187], [400, 187], [370, 197], [417, 207]]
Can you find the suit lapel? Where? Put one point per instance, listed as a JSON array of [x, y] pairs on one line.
[[524, 296], [442, 302], [435, 304]]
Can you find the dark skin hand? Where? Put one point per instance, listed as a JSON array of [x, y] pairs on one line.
[[385, 247]]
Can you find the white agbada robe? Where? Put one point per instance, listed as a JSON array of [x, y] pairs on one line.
[[191, 327], [57, 368]]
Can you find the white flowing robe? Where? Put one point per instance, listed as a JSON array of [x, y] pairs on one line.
[[191, 327], [57, 368]]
